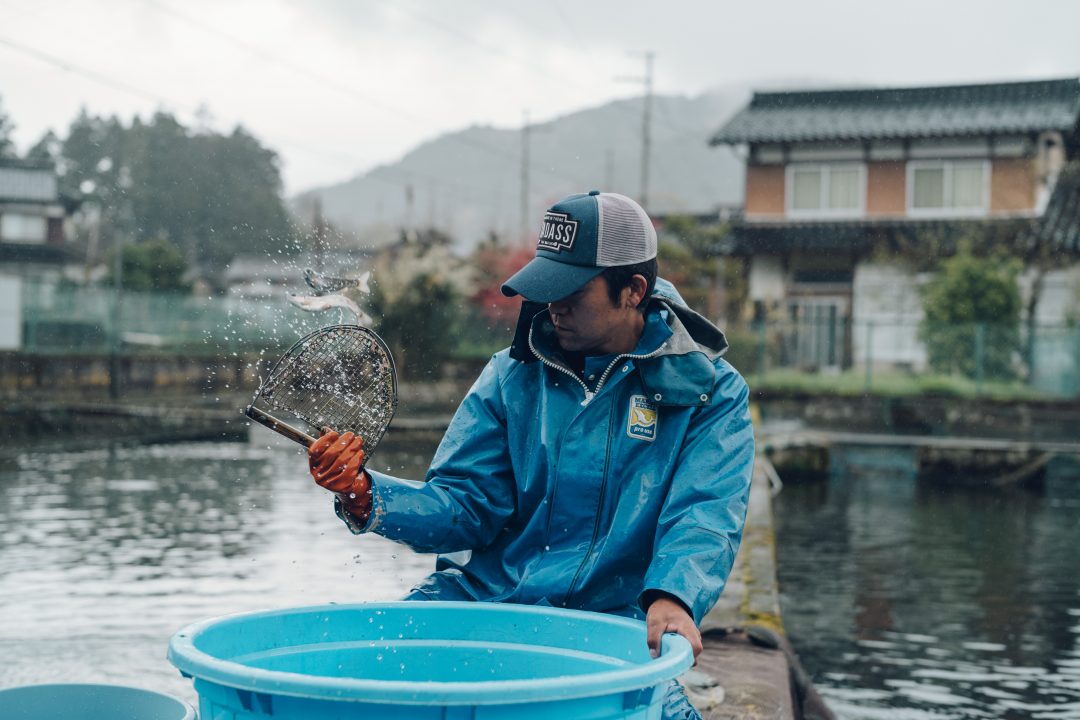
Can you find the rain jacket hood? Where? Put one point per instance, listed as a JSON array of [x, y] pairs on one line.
[[681, 371], [586, 491]]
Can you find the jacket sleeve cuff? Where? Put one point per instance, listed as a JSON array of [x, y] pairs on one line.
[[356, 525], [650, 595]]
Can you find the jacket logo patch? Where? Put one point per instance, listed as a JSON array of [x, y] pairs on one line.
[[641, 420], [557, 233]]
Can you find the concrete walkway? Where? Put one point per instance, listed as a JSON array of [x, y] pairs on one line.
[[735, 676]]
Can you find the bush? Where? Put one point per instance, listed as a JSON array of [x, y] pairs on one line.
[[971, 316]]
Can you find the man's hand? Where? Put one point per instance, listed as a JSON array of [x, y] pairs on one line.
[[336, 462], [668, 615]]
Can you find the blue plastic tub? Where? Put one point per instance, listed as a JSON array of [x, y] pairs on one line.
[[90, 702], [408, 660]]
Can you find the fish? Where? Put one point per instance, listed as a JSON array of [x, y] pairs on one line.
[[324, 284], [319, 303]]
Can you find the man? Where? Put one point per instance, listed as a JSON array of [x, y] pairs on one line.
[[602, 462]]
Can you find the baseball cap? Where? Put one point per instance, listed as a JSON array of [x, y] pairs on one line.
[[582, 234]]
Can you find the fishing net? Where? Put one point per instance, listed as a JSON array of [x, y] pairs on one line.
[[342, 376]]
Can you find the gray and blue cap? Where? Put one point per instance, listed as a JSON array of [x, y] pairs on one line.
[[583, 234]]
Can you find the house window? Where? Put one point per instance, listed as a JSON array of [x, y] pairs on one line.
[[16, 228], [825, 189], [948, 187]]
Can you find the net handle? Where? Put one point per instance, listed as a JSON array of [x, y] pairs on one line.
[[278, 426]]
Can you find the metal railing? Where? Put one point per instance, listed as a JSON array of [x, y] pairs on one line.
[[827, 352], [65, 319], [908, 357]]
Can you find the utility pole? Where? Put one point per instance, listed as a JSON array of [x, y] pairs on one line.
[[646, 125], [526, 130], [409, 197], [646, 131]]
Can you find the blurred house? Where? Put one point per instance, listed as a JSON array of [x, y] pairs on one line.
[[33, 219], [841, 183]]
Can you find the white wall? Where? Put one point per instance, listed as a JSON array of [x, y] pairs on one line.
[[10, 312], [886, 310], [766, 278], [1060, 294], [1056, 367]]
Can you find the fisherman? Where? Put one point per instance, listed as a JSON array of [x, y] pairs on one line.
[[602, 462]]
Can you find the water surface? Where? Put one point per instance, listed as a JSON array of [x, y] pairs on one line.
[[105, 554], [913, 600], [904, 600]]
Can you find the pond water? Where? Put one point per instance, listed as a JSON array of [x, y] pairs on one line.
[[910, 600], [105, 554], [904, 601]]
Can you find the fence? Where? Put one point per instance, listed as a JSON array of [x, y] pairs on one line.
[[60, 319], [908, 357], [821, 352]]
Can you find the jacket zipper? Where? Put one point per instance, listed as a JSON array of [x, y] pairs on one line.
[[596, 518], [589, 395]]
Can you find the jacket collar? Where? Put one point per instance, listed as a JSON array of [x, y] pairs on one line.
[[681, 346]]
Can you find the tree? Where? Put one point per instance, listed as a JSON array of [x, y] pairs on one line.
[[154, 265], [46, 150], [210, 195], [690, 257], [971, 315], [7, 147], [494, 263], [417, 287]]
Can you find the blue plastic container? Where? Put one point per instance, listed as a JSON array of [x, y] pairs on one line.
[[90, 702], [409, 660]]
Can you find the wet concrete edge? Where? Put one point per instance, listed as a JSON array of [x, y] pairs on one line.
[[743, 671]]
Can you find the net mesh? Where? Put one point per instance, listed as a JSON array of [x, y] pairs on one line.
[[342, 376]]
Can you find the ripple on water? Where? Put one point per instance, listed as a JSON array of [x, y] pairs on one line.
[[916, 602], [103, 562]]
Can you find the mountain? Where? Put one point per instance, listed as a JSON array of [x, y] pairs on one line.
[[468, 183]]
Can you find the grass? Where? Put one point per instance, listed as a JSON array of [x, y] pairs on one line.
[[891, 384]]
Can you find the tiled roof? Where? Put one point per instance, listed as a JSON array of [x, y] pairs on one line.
[[1059, 226], [897, 113], [25, 253], [848, 235]]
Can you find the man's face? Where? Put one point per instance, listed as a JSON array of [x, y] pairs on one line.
[[588, 322]]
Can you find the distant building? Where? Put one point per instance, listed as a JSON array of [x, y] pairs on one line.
[[32, 217], [33, 222], [840, 181]]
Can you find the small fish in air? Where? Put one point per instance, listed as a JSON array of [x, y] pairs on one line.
[[324, 284], [318, 303]]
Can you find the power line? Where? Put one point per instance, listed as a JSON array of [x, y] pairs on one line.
[[310, 74], [76, 70], [648, 121], [527, 63], [103, 79], [276, 59], [250, 48], [313, 75]]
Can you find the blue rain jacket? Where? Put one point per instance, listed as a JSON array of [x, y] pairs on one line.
[[586, 492]]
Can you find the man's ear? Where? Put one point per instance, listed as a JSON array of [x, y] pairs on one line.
[[636, 290]]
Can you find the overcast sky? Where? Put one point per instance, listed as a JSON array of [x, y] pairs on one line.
[[339, 86]]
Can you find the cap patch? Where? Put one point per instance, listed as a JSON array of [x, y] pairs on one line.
[[558, 232]]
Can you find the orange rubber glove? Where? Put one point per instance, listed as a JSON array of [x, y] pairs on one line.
[[337, 464]]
